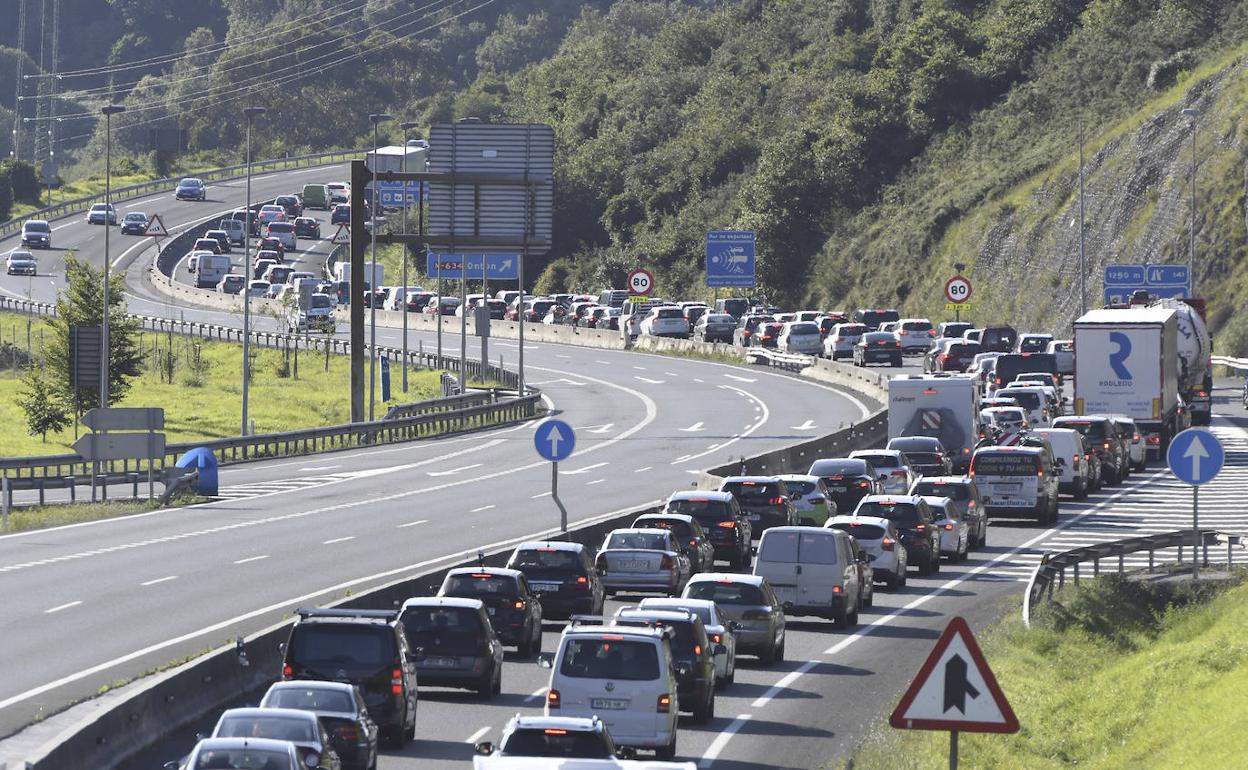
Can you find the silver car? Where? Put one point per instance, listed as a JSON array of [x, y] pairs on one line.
[[801, 337], [719, 629], [955, 535], [241, 752], [642, 560], [302, 728], [748, 600], [841, 340], [891, 466]]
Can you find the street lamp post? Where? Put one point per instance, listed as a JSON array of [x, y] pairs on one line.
[[407, 126], [376, 119], [1083, 266], [109, 111], [251, 113], [1192, 113]]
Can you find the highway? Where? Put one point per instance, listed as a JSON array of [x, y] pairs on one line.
[[142, 591]]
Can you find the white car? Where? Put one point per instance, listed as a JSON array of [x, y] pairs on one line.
[[841, 340], [801, 337], [533, 743], [1064, 353], [810, 497], [339, 192], [916, 335], [891, 466], [1010, 420], [1033, 399], [398, 295], [955, 535], [244, 752], [284, 232], [882, 542], [1073, 461], [719, 629], [665, 321]]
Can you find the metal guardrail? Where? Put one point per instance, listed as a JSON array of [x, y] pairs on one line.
[[1238, 364], [791, 361], [1052, 567], [155, 185]]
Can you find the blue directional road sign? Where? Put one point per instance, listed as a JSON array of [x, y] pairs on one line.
[[554, 440], [1195, 456], [730, 258], [494, 267], [392, 193], [1166, 281]]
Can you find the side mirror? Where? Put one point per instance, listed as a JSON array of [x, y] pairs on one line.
[[546, 660], [281, 647], [754, 550], [787, 607], [200, 736], [626, 752], [734, 626], [483, 749], [172, 764]]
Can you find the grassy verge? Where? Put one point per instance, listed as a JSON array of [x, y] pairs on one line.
[[204, 398], [1116, 675], [58, 514]]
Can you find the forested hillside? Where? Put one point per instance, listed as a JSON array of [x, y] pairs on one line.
[[870, 143]]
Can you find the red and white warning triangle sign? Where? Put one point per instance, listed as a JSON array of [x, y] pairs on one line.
[[343, 235], [156, 228], [955, 690]]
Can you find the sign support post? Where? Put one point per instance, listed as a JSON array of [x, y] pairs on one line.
[[1195, 457], [1195, 533], [953, 750], [554, 441]]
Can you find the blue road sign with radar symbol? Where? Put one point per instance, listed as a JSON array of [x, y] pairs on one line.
[[554, 440], [1195, 456], [730, 258]]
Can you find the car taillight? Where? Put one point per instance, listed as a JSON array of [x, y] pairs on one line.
[[717, 639], [863, 484], [665, 704], [1075, 461], [920, 527], [552, 699], [775, 501], [1039, 474], [1107, 445], [948, 527], [519, 604], [727, 524], [966, 450], [347, 732], [396, 681], [666, 563], [838, 590], [581, 580], [693, 542], [1154, 440], [697, 650], [287, 672], [887, 544]]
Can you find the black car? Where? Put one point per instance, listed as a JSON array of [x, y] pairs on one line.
[[290, 204], [134, 223], [872, 318], [924, 454], [457, 639], [514, 609], [271, 244], [723, 521], [341, 710], [341, 215], [913, 518], [562, 575], [307, 227], [693, 654], [765, 499], [366, 648], [689, 534], [848, 480], [877, 348]]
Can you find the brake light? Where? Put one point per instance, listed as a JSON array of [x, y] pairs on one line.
[[480, 575], [697, 650], [838, 590], [1203, 394], [966, 450], [665, 704], [348, 732], [519, 604], [555, 732], [948, 527], [776, 501], [887, 544], [717, 639], [287, 672], [396, 681], [666, 564], [1039, 474], [863, 484], [581, 580], [693, 542], [920, 527], [611, 638], [727, 524], [1075, 461], [552, 700], [1154, 440]]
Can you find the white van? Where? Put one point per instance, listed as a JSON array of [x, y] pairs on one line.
[[623, 674], [1033, 400], [941, 406], [1016, 482], [1073, 463], [812, 571]]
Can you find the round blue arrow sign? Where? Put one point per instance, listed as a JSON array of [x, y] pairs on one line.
[[554, 440], [1195, 456]]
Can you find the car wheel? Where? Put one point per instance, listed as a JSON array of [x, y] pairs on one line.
[[525, 647], [768, 656], [668, 751], [732, 669], [935, 561], [851, 618], [705, 711], [925, 568], [498, 681], [485, 686], [780, 652]]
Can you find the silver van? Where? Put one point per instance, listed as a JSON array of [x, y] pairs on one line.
[[812, 571]]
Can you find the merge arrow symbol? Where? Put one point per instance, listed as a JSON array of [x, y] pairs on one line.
[[957, 687]]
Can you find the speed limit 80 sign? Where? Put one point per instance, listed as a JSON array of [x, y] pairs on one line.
[[640, 282], [958, 290]]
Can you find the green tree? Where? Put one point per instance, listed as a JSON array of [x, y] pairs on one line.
[[81, 303], [6, 194], [45, 411]]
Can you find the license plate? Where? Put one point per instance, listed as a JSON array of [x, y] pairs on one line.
[[440, 662], [1006, 488], [491, 610], [610, 704], [755, 517], [544, 586], [837, 489], [633, 564]]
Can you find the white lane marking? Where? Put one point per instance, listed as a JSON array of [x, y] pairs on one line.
[[165, 579], [695, 428], [310, 468], [64, 606], [544, 494], [453, 471], [338, 540], [640, 368], [557, 355], [410, 523], [863, 631], [808, 425], [249, 559], [598, 428], [586, 469], [292, 173], [596, 481], [599, 361], [647, 379], [478, 735], [539, 692], [297, 600], [747, 430], [474, 510], [717, 746], [643, 470], [671, 374], [741, 379], [698, 379]]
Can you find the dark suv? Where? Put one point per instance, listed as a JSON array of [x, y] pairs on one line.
[[562, 575], [458, 641], [721, 518], [515, 611], [366, 648], [848, 480], [765, 499], [693, 654], [1102, 434], [913, 519]]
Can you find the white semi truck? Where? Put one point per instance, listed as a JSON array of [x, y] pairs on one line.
[[1127, 362]]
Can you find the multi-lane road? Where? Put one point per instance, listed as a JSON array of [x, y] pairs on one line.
[[96, 603]]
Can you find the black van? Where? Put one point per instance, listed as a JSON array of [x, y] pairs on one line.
[[998, 339], [1011, 365], [737, 307], [873, 318], [366, 648]]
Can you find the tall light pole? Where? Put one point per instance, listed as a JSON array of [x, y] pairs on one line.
[[109, 111], [376, 119], [407, 126], [1192, 113], [251, 113], [1083, 264]]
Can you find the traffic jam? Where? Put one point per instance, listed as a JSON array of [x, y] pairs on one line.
[[653, 621]]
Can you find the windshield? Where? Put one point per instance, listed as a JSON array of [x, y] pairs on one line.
[[277, 728], [322, 645], [318, 301], [904, 514], [725, 592], [454, 630], [754, 491], [1092, 430], [917, 326], [925, 458], [637, 540], [280, 227], [956, 492], [546, 558], [860, 531], [700, 509], [671, 312], [838, 468], [883, 461], [41, 227], [570, 744], [610, 657], [311, 699], [478, 585], [804, 328], [242, 759], [850, 330], [1024, 397], [797, 488]]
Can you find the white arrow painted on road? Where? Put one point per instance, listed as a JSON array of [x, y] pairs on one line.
[[740, 379], [1196, 452], [808, 425], [598, 428], [453, 471], [695, 428]]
